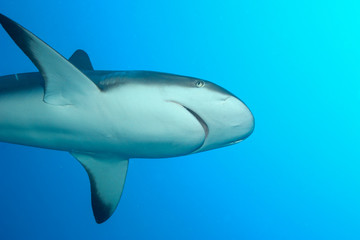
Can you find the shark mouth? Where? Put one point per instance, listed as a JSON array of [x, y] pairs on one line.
[[200, 120]]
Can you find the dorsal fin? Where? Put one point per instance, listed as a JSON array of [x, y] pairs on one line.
[[64, 83], [107, 178], [81, 60]]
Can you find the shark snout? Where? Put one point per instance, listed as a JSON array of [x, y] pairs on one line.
[[239, 119], [229, 121]]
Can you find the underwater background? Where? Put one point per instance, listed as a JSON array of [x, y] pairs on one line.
[[294, 63]]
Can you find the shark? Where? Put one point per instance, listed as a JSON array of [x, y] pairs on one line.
[[105, 118]]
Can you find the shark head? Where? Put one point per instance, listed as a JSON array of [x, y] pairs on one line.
[[226, 120], [194, 112]]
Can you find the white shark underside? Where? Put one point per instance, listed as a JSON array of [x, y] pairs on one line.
[[103, 118]]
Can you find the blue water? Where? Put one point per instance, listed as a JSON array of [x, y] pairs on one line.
[[294, 63]]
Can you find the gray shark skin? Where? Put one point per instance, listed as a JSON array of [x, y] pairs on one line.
[[103, 118]]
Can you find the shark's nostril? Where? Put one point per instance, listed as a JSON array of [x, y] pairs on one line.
[[225, 99]]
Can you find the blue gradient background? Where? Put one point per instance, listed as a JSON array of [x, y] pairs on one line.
[[294, 63]]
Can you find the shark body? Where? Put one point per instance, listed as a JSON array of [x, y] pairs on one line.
[[104, 118]]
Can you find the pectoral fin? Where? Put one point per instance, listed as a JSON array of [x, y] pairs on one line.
[[107, 177], [64, 83]]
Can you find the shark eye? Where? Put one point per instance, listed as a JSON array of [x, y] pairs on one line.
[[199, 83]]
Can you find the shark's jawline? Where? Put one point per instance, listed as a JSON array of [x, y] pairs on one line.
[[203, 124], [200, 120]]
